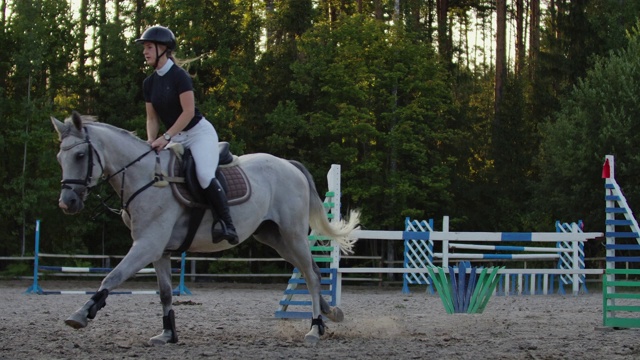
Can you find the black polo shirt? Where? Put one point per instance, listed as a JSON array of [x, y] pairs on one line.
[[163, 92]]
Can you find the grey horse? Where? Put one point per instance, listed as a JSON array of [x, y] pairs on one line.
[[283, 205]]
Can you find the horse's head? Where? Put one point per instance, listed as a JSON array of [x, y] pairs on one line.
[[77, 157]]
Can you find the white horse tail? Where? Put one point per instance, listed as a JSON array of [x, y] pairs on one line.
[[339, 231]]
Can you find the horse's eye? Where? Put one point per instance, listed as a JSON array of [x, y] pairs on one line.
[[79, 156]]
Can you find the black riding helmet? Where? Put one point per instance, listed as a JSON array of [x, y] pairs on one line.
[[159, 35]]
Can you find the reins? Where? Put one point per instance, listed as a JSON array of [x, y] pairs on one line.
[[125, 205]]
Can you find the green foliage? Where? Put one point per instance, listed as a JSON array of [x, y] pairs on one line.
[[378, 103], [598, 118], [17, 269], [228, 267]]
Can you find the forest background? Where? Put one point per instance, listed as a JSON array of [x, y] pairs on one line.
[[497, 113]]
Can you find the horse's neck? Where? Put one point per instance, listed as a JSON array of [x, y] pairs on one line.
[[119, 151]]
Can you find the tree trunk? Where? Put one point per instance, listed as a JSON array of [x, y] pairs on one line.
[[520, 46], [429, 21], [102, 21], [415, 16], [3, 15], [501, 54], [140, 5], [333, 12], [82, 55], [269, 27], [3, 20], [534, 37], [444, 39], [396, 13], [378, 9]]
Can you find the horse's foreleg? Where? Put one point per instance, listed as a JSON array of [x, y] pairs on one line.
[[163, 272], [80, 318], [137, 258]]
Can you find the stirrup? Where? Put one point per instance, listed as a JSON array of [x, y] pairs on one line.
[[218, 236]]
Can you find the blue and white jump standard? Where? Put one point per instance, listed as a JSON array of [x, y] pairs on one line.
[[621, 299], [35, 288]]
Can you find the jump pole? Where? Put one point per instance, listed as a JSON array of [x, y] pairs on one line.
[[35, 288]]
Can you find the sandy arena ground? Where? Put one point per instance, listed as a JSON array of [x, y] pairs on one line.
[[235, 321]]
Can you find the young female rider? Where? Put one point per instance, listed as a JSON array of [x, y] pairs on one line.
[[169, 97]]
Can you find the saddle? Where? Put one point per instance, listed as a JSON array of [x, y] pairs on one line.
[[233, 179], [187, 190]]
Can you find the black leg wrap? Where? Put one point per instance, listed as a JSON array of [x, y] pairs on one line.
[[99, 301], [320, 324], [169, 323]]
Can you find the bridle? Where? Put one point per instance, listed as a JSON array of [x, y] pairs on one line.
[[86, 182]]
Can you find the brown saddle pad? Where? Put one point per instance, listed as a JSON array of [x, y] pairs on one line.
[[231, 176]]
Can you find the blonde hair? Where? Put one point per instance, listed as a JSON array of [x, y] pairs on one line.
[[184, 62]]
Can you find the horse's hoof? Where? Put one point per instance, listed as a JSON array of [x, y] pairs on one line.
[[163, 339], [157, 340], [76, 321], [335, 315], [313, 336], [311, 339]]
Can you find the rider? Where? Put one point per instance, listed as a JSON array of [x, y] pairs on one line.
[[169, 98]]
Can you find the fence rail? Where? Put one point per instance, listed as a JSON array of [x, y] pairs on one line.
[[383, 267]]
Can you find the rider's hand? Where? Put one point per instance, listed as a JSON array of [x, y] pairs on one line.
[[159, 143]]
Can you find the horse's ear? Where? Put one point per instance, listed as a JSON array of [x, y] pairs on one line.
[[77, 120], [58, 125]]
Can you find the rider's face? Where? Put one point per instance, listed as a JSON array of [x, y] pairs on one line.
[[149, 52]]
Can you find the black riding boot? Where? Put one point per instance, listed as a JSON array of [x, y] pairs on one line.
[[218, 200]]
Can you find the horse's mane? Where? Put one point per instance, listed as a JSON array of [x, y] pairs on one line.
[[90, 120]]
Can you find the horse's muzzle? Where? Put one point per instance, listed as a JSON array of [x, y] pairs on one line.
[[70, 202]]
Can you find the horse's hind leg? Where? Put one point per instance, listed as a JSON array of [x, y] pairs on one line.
[[334, 314], [163, 273], [293, 247]]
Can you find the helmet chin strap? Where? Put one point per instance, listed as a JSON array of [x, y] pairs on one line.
[[158, 56]]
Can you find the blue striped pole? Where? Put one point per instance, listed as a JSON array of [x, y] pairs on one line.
[[82, 292], [510, 248], [502, 256], [93, 270]]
